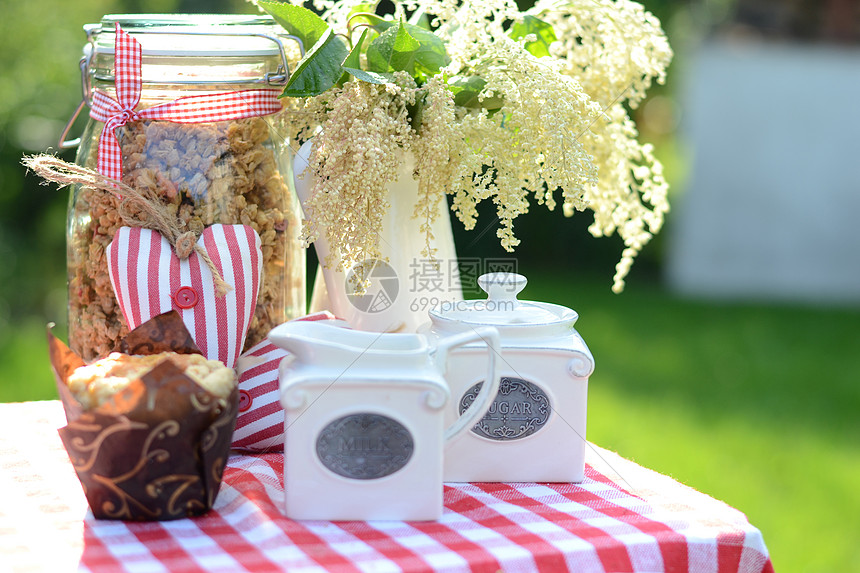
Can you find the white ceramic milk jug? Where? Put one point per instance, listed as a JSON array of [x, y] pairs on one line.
[[403, 277], [365, 421], [535, 429]]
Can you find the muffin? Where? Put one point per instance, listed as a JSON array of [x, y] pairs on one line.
[[149, 432]]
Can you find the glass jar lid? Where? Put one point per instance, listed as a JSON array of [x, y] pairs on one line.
[[501, 307], [190, 34], [194, 50]]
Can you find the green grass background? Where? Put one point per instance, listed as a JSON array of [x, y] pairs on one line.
[[753, 404], [756, 405]]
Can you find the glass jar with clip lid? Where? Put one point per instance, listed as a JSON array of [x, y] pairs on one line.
[[193, 127]]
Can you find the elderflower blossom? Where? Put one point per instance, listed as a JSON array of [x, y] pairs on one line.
[[615, 50], [357, 154], [432, 151], [531, 146], [613, 47], [562, 126]]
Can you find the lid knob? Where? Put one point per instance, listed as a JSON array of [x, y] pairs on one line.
[[502, 286]]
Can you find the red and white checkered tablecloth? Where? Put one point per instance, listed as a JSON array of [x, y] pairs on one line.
[[621, 518]]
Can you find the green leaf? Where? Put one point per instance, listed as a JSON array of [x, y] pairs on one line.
[[370, 77], [408, 48], [352, 66], [361, 13], [298, 21], [353, 60], [379, 23], [421, 20], [392, 51], [416, 113], [534, 25], [431, 55], [320, 69], [467, 92]]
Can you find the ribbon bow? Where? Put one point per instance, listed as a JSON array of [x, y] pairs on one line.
[[189, 109]]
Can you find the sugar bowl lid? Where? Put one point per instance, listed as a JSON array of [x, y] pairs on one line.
[[501, 308]]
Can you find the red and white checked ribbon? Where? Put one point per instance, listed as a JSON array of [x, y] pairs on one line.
[[189, 109]]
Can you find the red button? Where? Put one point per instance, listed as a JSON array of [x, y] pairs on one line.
[[244, 401], [185, 297]]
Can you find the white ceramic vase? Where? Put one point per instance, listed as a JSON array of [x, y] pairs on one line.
[[403, 287]]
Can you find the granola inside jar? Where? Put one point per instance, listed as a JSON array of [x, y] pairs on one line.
[[235, 171]]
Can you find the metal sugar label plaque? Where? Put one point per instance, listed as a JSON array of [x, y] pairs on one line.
[[364, 446], [520, 409]]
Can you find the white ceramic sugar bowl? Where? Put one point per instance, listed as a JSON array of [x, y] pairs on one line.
[[365, 419], [535, 429]]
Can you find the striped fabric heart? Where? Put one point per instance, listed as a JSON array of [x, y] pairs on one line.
[[260, 425], [149, 279]]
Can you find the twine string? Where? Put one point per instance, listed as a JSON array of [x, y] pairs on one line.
[[158, 216]]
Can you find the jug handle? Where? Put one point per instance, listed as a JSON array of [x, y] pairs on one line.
[[490, 386]]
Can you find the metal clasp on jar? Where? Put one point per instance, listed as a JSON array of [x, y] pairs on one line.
[[278, 78]]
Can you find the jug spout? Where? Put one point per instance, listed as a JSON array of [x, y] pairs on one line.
[[301, 344], [332, 346], [313, 343]]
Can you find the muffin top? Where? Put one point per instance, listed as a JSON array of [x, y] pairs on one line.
[[95, 383]]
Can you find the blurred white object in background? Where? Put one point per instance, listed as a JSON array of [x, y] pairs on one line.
[[773, 205]]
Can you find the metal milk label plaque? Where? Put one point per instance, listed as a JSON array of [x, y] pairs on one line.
[[364, 446], [520, 409]]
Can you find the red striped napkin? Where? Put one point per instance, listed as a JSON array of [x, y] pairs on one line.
[[260, 425]]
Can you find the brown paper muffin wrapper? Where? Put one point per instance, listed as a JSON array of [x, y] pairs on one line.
[[157, 449]]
